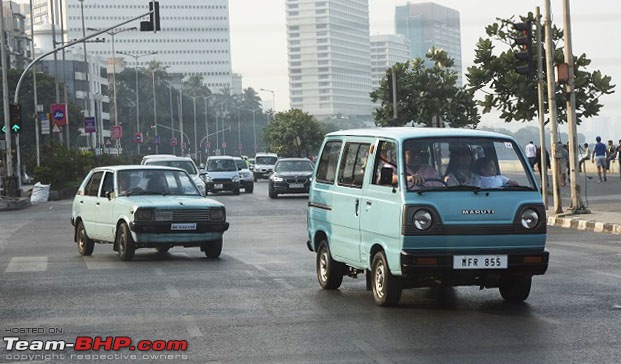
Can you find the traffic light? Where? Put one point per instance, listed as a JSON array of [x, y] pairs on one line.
[[524, 39], [15, 115], [389, 88], [154, 18]]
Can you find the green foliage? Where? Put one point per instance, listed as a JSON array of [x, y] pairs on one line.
[[514, 95], [425, 93], [281, 136]]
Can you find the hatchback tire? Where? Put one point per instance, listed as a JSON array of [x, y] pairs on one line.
[[125, 243], [85, 244]]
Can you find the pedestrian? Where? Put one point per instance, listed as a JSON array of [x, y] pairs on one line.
[[531, 153], [611, 154], [619, 156], [538, 162], [562, 157], [587, 156], [599, 158]]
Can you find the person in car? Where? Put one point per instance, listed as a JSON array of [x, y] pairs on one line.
[[419, 173], [157, 184], [460, 170], [489, 175]]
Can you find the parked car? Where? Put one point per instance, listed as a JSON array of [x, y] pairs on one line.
[[246, 179], [134, 207], [221, 174], [406, 207], [291, 175], [185, 163], [264, 165]]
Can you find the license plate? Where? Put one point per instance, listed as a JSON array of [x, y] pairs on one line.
[[479, 262], [186, 226], [296, 185], [218, 186]]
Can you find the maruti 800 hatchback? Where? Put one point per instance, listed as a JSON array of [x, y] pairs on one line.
[[421, 207]]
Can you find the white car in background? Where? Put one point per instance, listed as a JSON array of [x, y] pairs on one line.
[[246, 178], [185, 163]]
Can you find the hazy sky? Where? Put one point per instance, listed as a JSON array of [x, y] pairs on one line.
[[259, 47]]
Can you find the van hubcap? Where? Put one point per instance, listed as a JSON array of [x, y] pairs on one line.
[[379, 279]]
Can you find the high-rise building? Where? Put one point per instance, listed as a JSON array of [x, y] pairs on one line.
[[429, 25], [194, 38], [329, 56], [386, 50]]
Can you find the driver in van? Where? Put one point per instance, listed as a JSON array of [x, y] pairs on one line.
[[419, 173]]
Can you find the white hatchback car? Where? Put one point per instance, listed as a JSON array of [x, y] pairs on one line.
[[135, 207], [185, 163]]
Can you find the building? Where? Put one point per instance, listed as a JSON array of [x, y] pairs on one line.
[[328, 48], [18, 50], [386, 50], [429, 25], [194, 38]]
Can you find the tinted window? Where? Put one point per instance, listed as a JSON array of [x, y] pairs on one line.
[[92, 187], [326, 169]]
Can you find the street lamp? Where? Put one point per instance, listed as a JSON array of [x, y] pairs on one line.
[[136, 56], [254, 130], [273, 98], [112, 33], [195, 139]]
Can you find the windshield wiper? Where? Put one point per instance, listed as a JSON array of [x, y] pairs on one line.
[[463, 188], [518, 188]]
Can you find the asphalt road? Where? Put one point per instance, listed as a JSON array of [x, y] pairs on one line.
[[261, 303]]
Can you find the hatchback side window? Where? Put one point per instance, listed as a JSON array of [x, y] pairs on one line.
[[92, 187], [108, 184], [326, 170]]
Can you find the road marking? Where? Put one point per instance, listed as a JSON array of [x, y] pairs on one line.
[[190, 325], [27, 264]]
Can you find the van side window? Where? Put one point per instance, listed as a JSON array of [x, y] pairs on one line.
[[353, 163], [385, 169], [326, 169]]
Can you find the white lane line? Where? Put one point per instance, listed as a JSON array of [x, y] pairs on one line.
[[190, 325], [27, 264]]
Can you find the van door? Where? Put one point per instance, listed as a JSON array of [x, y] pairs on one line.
[[381, 205], [347, 202]]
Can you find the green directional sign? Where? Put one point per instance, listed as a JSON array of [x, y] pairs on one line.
[[16, 119], [15, 128]]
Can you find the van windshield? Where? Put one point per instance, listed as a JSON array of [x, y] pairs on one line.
[[464, 164], [266, 160], [185, 165]]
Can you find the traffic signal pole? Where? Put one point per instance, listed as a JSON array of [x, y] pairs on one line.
[[5, 100]]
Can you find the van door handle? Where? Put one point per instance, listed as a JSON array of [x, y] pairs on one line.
[[357, 207], [369, 204]]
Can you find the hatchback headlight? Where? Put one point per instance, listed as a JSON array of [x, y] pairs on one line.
[[142, 214], [217, 214], [163, 215], [529, 218], [422, 219]]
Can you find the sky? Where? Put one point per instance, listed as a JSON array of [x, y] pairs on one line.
[[259, 43]]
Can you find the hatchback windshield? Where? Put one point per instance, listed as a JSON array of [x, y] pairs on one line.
[[221, 165], [185, 165], [464, 163], [155, 182]]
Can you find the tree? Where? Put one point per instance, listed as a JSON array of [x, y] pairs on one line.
[[515, 95], [425, 93], [293, 133]]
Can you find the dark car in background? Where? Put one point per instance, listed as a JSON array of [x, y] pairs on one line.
[[291, 175]]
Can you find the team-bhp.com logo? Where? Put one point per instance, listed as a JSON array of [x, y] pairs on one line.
[[86, 343]]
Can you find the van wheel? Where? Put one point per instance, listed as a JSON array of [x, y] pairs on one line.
[[125, 243], [516, 288], [386, 287], [85, 245], [329, 272]]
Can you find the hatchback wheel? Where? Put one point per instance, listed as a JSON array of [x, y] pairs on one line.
[[213, 249], [125, 243], [85, 245]]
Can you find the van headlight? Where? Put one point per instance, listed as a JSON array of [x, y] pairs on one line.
[[529, 218], [422, 219]]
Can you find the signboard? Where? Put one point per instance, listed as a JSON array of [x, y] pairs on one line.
[[156, 140], [138, 137], [117, 131], [89, 124], [45, 124], [173, 142], [59, 115]]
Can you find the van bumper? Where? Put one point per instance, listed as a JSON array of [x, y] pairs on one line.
[[421, 268]]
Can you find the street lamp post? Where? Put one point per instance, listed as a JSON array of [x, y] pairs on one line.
[[254, 130], [157, 149], [206, 128], [195, 138], [112, 33], [136, 56], [273, 98]]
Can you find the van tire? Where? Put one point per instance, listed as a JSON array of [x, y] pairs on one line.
[[329, 272], [386, 288], [516, 288]]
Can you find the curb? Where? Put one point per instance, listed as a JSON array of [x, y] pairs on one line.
[[584, 225], [11, 203]]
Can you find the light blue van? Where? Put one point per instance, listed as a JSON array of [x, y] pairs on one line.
[[422, 207]]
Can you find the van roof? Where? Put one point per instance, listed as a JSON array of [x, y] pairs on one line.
[[402, 133]]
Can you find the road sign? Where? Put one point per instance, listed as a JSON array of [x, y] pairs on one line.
[[138, 137], [89, 124], [173, 142], [156, 140], [55, 129], [117, 131], [45, 125]]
